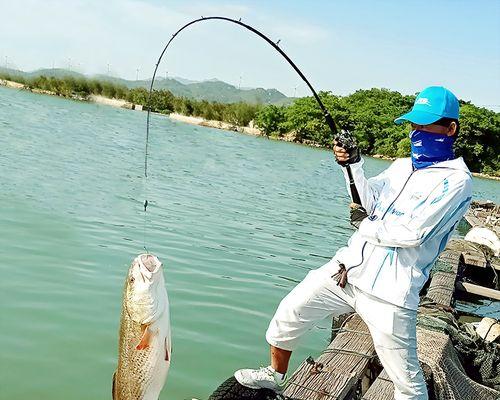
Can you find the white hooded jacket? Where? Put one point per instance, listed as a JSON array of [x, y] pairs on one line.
[[412, 214]]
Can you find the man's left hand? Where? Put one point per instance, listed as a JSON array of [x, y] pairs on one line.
[[358, 214]]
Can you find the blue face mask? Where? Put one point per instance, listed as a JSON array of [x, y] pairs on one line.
[[430, 148]]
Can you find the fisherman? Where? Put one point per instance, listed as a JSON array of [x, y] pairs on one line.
[[412, 208]]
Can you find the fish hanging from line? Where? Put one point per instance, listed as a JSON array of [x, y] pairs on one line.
[[144, 347]]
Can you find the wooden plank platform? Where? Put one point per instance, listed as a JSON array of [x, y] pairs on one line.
[[381, 389], [337, 371]]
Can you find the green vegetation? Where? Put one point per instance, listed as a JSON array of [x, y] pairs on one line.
[[271, 120], [165, 102], [368, 114]]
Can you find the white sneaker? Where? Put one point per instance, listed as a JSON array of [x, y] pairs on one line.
[[262, 378]]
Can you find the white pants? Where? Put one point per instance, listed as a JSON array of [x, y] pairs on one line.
[[393, 328]]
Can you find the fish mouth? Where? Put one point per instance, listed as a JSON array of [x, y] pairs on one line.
[[149, 263]]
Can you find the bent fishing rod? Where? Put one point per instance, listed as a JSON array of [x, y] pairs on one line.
[[343, 137]]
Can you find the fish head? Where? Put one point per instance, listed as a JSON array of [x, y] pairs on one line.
[[145, 294]]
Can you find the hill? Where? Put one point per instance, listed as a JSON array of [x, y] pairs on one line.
[[210, 90], [49, 72]]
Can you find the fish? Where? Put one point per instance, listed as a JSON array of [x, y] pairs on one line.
[[144, 344]]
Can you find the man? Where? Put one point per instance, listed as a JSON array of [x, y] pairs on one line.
[[412, 208]]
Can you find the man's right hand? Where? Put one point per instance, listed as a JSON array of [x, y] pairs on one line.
[[343, 157]]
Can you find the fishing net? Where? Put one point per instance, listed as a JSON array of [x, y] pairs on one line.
[[463, 366]]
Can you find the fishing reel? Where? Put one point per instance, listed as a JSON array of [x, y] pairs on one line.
[[347, 141]]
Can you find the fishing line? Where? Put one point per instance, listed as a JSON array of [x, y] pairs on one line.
[[144, 190], [343, 137]]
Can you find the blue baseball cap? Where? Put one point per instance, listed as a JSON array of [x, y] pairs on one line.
[[432, 104]]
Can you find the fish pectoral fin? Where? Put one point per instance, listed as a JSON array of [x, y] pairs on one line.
[[147, 337]]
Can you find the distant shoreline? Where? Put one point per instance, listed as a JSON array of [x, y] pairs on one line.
[[198, 121], [91, 98]]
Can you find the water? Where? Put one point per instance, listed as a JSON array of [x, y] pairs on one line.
[[237, 220]]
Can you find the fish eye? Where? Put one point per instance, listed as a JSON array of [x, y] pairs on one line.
[[132, 279]]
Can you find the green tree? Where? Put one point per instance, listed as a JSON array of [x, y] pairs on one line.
[[240, 113], [270, 120], [404, 147], [479, 139], [138, 96], [304, 119]]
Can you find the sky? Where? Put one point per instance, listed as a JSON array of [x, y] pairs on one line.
[[341, 46]]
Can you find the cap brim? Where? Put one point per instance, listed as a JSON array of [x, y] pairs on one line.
[[418, 117]]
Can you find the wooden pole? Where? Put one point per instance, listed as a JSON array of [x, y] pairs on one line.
[[478, 290]]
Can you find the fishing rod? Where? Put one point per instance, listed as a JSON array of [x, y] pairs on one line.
[[343, 137]]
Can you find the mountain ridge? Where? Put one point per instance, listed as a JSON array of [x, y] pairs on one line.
[[211, 89]]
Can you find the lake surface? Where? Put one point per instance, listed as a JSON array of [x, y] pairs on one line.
[[237, 221]]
